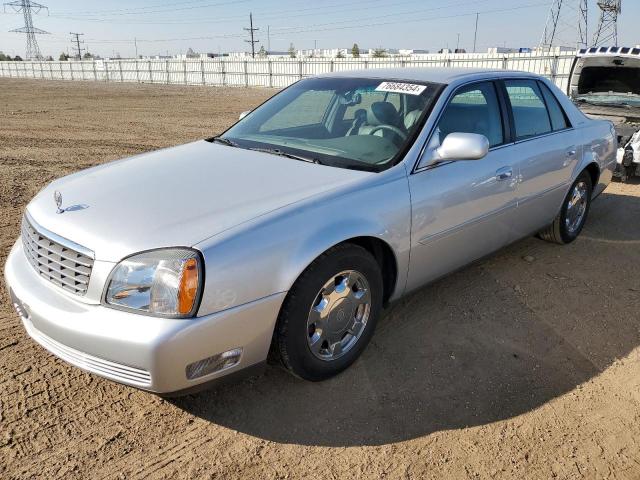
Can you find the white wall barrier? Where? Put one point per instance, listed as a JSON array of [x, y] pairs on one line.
[[275, 73]]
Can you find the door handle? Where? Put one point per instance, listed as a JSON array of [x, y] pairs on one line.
[[504, 173], [571, 153]]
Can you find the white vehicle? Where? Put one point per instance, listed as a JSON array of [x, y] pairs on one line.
[[605, 84]]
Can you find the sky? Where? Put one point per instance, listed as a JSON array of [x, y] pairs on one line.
[[172, 26]]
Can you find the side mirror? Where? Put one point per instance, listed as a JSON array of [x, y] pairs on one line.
[[462, 146], [244, 114]]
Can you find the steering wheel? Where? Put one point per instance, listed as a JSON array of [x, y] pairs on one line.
[[391, 128]]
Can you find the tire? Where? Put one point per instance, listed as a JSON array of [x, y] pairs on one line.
[[332, 293], [563, 230]]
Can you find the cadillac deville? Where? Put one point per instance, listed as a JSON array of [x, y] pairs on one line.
[[285, 236]]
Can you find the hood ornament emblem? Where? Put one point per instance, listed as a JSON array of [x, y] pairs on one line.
[[57, 197]]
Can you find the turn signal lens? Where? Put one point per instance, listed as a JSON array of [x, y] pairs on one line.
[[188, 286]]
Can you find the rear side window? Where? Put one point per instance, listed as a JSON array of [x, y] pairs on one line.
[[556, 113], [529, 109], [473, 109]]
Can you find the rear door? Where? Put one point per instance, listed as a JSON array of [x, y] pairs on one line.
[[547, 150], [463, 210]]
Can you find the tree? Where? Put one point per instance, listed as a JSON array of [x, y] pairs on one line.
[[355, 50], [49, 58], [340, 54], [292, 51], [379, 53], [87, 56], [262, 52], [17, 58], [63, 57], [4, 58]]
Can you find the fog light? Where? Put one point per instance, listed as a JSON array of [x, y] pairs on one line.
[[217, 363]]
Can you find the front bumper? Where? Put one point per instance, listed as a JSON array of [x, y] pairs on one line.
[[141, 351]]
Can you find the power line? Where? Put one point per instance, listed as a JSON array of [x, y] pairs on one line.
[[287, 31], [27, 7], [251, 31], [76, 41]]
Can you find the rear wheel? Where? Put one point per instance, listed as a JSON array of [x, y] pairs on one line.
[[330, 313], [569, 223]]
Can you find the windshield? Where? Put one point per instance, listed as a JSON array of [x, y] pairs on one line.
[[356, 123]]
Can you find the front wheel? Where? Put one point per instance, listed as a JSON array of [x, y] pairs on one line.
[[569, 223], [330, 313]]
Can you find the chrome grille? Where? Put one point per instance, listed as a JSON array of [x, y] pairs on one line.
[[60, 264]]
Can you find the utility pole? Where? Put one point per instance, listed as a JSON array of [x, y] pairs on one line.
[[475, 37], [458, 44], [77, 44], [135, 44], [27, 7], [268, 39], [251, 30]]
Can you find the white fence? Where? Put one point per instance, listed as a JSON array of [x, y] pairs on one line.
[[276, 73]]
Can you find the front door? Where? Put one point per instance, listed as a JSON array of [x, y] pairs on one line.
[[463, 210]]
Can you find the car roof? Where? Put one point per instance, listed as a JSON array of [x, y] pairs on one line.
[[430, 74]]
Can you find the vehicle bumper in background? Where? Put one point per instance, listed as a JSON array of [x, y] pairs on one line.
[[141, 351]]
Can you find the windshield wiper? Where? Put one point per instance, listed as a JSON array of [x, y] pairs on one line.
[[280, 153], [224, 141]]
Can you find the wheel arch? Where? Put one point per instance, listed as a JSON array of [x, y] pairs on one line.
[[383, 253], [594, 172]]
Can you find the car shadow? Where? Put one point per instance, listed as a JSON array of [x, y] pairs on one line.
[[491, 342]]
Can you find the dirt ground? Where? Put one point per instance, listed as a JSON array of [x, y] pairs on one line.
[[526, 365]]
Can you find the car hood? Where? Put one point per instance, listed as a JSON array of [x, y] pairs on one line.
[[176, 197]]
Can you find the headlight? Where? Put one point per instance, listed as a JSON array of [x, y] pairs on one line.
[[163, 282]]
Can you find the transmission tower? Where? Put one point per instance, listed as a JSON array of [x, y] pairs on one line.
[[253, 41], [607, 31], [27, 7], [560, 29]]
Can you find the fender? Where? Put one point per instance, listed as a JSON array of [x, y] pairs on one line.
[[273, 250]]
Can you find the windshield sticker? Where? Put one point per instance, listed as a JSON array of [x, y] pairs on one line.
[[399, 87]]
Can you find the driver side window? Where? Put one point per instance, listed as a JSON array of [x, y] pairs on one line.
[[473, 109]]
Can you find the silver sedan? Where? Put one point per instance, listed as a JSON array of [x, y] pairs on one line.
[[285, 236]]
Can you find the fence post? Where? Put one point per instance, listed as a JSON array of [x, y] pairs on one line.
[[61, 72], [300, 68], [202, 71], [331, 65], [366, 64], [51, 70], [505, 62], [106, 70], [137, 72], [71, 69], [95, 72], [224, 75], [270, 67], [246, 74], [166, 71], [554, 69], [184, 70], [150, 73]]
